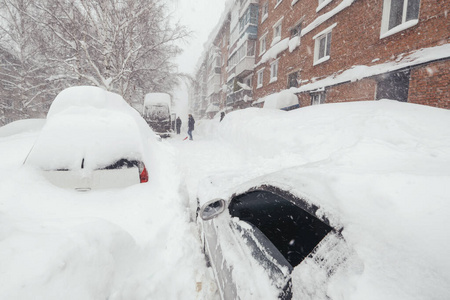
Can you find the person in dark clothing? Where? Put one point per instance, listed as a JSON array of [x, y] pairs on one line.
[[191, 123], [222, 114], [178, 124]]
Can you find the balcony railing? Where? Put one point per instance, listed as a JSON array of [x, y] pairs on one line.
[[238, 96], [246, 65]]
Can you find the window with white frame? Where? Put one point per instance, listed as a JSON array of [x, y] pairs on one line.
[[278, 2], [317, 98], [259, 82], [399, 15], [264, 11], [277, 30], [322, 45], [274, 71], [262, 44]]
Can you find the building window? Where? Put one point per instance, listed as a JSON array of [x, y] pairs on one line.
[[262, 44], [398, 12], [277, 31], [260, 75], [393, 86], [251, 47], [274, 71], [296, 30], [322, 48], [317, 98], [264, 11], [293, 79], [323, 45]]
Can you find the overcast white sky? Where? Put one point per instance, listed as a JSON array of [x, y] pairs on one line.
[[200, 16]]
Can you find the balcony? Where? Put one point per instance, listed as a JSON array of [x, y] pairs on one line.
[[213, 85], [245, 66], [241, 95]]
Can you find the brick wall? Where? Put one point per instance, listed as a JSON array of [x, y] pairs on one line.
[[429, 85], [355, 41]]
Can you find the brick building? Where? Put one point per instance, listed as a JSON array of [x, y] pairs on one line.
[[327, 51]]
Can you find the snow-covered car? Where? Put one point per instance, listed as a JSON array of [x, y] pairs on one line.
[[355, 206], [91, 139], [265, 228]]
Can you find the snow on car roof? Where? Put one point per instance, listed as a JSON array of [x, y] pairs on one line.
[[156, 98], [91, 124]]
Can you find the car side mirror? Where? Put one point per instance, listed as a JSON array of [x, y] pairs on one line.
[[212, 209]]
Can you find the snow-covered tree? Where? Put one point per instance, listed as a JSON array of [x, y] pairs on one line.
[[25, 90], [124, 46]]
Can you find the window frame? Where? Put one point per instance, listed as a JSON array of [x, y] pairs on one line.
[[274, 68], [261, 39], [327, 35], [297, 79], [264, 11], [321, 97], [278, 24], [259, 78], [385, 31]]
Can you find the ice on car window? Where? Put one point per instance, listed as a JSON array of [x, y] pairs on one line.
[[292, 230]]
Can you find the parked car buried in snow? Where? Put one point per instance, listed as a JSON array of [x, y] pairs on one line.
[[255, 237], [92, 139]]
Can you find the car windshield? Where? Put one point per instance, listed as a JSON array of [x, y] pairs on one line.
[[158, 112]]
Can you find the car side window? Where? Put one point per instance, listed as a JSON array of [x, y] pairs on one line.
[[294, 231]]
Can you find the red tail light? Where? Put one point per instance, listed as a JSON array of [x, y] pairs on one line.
[[143, 173]]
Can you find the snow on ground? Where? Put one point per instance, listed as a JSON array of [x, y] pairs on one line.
[[140, 243]]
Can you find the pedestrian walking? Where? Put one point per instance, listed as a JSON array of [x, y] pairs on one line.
[[191, 123], [178, 123]]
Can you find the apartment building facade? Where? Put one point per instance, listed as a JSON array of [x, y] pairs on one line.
[[327, 51]]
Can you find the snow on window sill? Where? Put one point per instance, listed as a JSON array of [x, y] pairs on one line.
[[273, 79], [276, 5], [323, 59], [399, 28], [294, 2], [275, 40], [323, 4], [263, 18], [259, 86], [261, 53]]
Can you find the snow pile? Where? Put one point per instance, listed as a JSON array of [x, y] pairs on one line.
[[274, 51], [280, 100], [377, 168], [294, 43], [21, 126]]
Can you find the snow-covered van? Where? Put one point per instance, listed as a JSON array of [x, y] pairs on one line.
[[157, 113]]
